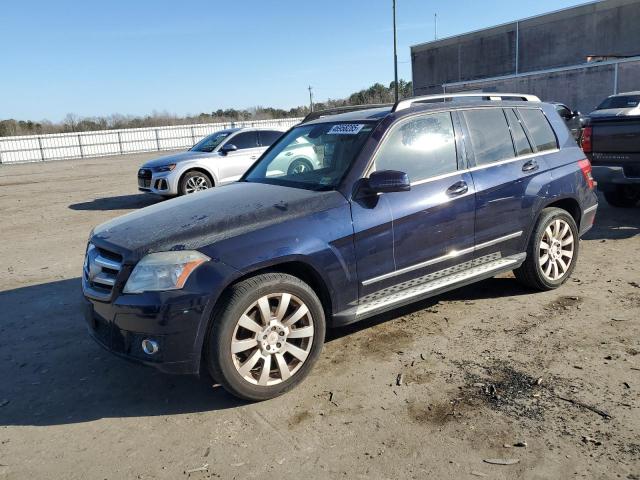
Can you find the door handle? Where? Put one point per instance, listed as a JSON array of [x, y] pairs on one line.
[[253, 157], [458, 188], [530, 166]]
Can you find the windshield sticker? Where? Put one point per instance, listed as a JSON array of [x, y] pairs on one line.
[[346, 129]]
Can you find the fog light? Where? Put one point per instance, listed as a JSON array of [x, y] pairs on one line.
[[150, 347]]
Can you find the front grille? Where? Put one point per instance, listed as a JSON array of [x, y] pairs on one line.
[[144, 178], [101, 268]]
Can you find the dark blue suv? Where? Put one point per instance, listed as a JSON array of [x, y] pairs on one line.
[[405, 202]]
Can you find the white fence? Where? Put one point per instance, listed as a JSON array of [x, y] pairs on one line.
[[61, 146]]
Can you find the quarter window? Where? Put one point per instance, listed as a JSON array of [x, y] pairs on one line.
[[517, 132], [422, 147], [245, 140], [489, 135], [541, 132]]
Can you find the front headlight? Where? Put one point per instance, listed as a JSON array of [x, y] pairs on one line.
[[165, 168], [163, 271]]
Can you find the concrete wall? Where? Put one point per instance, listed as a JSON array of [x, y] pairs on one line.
[[580, 88], [558, 39]]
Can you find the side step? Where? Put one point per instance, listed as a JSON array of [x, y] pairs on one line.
[[435, 283]]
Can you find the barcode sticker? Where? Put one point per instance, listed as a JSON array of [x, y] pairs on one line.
[[346, 129]]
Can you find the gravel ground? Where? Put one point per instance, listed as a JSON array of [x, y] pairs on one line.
[[429, 391]]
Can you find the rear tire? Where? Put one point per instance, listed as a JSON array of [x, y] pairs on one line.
[[624, 196], [552, 252], [266, 336]]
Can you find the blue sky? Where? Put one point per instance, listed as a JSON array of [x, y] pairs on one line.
[[134, 57]]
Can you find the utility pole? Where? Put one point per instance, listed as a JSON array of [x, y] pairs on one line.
[[395, 52], [435, 26], [310, 98]]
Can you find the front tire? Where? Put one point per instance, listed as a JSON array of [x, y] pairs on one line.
[[266, 336], [624, 196], [194, 181], [552, 251], [298, 166]]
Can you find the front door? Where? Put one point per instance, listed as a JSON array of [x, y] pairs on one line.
[[412, 235], [232, 165]]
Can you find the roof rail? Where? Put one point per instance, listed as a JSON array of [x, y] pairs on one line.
[[345, 109], [403, 104]]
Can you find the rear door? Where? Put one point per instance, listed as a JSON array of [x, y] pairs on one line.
[[508, 175], [234, 164], [432, 224]]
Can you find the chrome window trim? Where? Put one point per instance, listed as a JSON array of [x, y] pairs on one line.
[[448, 256], [488, 165]]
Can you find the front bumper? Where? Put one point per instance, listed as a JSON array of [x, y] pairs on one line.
[[160, 183], [176, 320], [610, 176]]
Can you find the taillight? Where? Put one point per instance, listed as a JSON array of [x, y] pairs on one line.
[[586, 139], [585, 167]]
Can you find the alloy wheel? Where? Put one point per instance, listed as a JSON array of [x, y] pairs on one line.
[[556, 250], [196, 184], [272, 339]]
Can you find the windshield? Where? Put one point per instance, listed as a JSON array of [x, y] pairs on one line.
[[208, 144], [312, 156], [626, 101]]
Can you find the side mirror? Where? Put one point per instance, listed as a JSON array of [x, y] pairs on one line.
[[228, 147], [387, 181], [575, 113]]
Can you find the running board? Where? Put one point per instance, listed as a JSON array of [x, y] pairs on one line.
[[435, 283]]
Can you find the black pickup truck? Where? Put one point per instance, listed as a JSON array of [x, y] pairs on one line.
[[611, 141]]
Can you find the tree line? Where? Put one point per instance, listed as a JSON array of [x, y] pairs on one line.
[[377, 93]]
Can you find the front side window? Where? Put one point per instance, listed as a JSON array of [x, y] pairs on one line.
[[489, 135], [268, 137], [314, 157], [209, 143], [245, 140], [541, 132], [519, 137], [422, 147]]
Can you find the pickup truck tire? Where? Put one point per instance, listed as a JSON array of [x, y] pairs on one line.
[[552, 252], [266, 334], [624, 196]]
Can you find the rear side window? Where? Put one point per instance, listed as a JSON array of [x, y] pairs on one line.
[[268, 137], [423, 147], [517, 132], [245, 140], [489, 135], [541, 132]]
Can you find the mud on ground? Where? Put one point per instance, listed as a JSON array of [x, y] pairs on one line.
[[430, 391]]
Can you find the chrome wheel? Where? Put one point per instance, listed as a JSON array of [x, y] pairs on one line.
[[196, 183], [556, 250], [272, 339]]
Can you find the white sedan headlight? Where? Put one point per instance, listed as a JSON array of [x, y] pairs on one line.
[[163, 271]]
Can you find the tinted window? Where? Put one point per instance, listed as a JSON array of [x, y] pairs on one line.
[[517, 132], [268, 137], [622, 101], [489, 135], [423, 147], [541, 132], [245, 140], [563, 111]]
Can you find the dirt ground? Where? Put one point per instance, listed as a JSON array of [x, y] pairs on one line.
[[430, 391]]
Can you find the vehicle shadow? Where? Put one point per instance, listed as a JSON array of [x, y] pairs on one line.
[[120, 202], [53, 373], [614, 223]]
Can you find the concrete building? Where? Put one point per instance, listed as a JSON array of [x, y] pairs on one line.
[[577, 56]]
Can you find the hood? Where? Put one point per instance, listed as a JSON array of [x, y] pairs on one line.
[[615, 112], [177, 158], [203, 218]]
